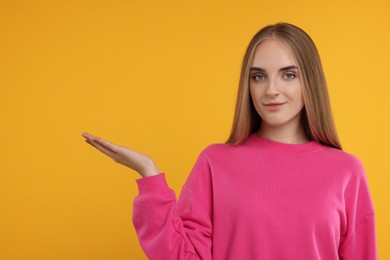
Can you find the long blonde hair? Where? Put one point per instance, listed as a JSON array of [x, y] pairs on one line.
[[316, 117]]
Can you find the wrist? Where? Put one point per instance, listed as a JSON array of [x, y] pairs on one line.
[[151, 171]]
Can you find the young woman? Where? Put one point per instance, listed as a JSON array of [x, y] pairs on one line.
[[279, 188]]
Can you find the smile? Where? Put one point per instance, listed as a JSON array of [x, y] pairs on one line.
[[274, 106]]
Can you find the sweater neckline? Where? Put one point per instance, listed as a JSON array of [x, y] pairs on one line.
[[285, 148]]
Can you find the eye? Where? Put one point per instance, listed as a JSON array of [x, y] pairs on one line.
[[258, 77], [289, 75]]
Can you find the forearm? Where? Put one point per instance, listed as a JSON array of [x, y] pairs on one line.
[[160, 229]]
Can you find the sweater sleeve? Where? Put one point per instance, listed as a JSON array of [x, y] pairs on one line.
[[167, 229], [359, 239], [361, 245]]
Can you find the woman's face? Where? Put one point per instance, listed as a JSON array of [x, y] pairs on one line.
[[274, 84]]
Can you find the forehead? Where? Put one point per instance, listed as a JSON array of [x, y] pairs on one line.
[[272, 54]]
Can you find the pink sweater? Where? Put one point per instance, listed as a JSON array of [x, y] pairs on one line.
[[260, 200]]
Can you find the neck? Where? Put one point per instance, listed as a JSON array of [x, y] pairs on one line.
[[289, 133]]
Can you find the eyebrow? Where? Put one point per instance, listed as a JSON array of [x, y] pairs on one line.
[[281, 69]]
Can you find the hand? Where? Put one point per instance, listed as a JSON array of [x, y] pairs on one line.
[[141, 163]]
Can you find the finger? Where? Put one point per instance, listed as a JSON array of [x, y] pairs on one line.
[[103, 149], [87, 136], [101, 141], [90, 142], [102, 145], [107, 144]]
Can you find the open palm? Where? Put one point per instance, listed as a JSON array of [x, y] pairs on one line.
[[141, 163]]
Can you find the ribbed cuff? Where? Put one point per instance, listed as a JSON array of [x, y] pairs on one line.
[[152, 184]]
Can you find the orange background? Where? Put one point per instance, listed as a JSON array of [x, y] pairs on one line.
[[160, 77]]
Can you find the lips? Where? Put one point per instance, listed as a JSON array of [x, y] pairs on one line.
[[272, 106], [274, 103]]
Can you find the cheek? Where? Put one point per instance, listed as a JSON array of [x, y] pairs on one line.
[[256, 91], [299, 99], [252, 94], [295, 94], [255, 95]]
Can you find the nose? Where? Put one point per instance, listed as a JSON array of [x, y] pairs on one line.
[[272, 90]]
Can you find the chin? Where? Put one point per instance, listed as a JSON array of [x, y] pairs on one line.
[[275, 122], [279, 122]]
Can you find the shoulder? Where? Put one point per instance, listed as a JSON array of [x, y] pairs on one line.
[[218, 154], [346, 161], [342, 155], [218, 150], [345, 156]]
